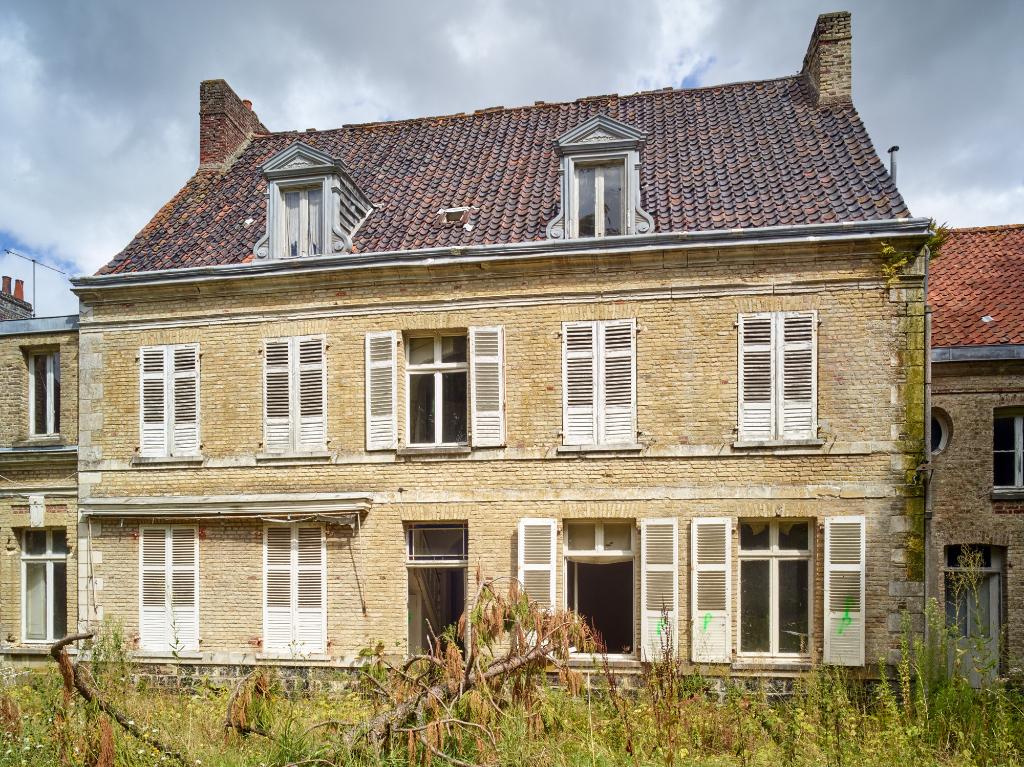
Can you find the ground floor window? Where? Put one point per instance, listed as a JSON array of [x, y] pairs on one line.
[[436, 559], [295, 586], [599, 581], [44, 578], [168, 587], [775, 587]]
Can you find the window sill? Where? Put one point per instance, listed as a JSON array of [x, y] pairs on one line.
[[297, 657], [289, 459], [40, 440], [167, 461], [1008, 493], [622, 447], [167, 655], [747, 444], [434, 450], [793, 665]]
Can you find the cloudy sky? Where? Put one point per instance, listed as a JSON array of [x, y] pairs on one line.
[[99, 100]]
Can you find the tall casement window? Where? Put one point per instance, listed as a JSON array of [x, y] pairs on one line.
[[600, 199], [294, 589], [294, 395], [169, 397], [44, 393], [599, 382], [438, 384], [304, 221], [1008, 448], [44, 578], [168, 588], [775, 588], [778, 387]]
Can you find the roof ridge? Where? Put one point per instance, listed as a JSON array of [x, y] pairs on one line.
[[988, 228]]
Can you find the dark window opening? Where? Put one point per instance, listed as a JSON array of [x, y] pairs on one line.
[[603, 595]]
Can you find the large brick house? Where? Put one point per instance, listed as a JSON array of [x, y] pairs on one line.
[[976, 292], [645, 353]]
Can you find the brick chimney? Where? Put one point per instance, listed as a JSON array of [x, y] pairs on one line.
[[19, 289], [828, 62], [12, 301], [225, 123]]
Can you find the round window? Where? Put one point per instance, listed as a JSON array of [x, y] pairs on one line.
[[941, 429]]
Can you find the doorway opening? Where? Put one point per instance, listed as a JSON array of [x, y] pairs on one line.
[[436, 557], [974, 607], [599, 567]]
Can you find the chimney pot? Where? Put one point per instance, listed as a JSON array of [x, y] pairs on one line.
[[225, 123], [247, 104], [19, 290], [7, 285], [828, 63]]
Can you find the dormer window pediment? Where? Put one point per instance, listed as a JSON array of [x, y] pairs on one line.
[[600, 181], [313, 205]]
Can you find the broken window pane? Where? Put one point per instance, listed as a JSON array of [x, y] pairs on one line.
[[754, 606], [585, 202], [793, 601], [754, 535], [793, 536], [421, 408], [453, 407]]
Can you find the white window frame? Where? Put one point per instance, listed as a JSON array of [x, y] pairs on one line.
[[438, 368], [599, 162], [49, 557], [411, 558], [774, 555], [303, 187], [1018, 447], [52, 407]]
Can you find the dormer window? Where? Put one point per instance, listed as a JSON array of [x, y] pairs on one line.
[[600, 181], [313, 205]]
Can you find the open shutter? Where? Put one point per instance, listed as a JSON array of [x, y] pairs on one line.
[[154, 628], [381, 391], [277, 588], [756, 377], [487, 386], [184, 612], [312, 387], [579, 383], [844, 591], [710, 589], [185, 395], [153, 402], [659, 588], [617, 417], [277, 396], [537, 560], [799, 366], [310, 614]]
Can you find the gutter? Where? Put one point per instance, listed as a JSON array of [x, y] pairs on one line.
[[39, 325], [778, 235], [978, 353]]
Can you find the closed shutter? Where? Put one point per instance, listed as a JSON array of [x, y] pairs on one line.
[[152, 402], [756, 377], [487, 386], [312, 387], [659, 588], [617, 417], [579, 383], [798, 379], [185, 395], [277, 396], [381, 391], [310, 614], [710, 589], [844, 590], [277, 588], [537, 560], [154, 628], [184, 602]]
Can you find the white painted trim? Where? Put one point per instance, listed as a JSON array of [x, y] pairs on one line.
[[552, 566], [271, 504]]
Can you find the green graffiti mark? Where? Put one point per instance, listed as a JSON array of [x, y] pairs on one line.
[[707, 620], [660, 627], [846, 620]]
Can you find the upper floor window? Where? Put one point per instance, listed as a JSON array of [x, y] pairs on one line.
[[169, 400], [1008, 449], [438, 385], [599, 382], [44, 393], [600, 203], [304, 221], [294, 395]]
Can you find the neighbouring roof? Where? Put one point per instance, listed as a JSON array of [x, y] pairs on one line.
[[753, 154], [976, 287]]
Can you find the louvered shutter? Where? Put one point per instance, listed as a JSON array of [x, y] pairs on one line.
[[277, 588], [710, 589], [153, 402], [381, 391], [617, 417], [312, 386], [659, 588], [798, 375], [154, 626], [487, 386], [579, 383], [310, 614], [537, 560], [844, 590], [756, 377], [184, 602], [277, 396], [185, 396]]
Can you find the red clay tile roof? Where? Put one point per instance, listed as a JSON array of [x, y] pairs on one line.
[[978, 273], [751, 154]]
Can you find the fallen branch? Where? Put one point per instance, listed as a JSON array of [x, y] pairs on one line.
[[236, 717], [75, 679]]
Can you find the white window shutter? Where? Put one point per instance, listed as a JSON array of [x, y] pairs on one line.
[[617, 416], [381, 391], [756, 377], [153, 401], [277, 396], [185, 398], [277, 588], [659, 588], [487, 385], [312, 389], [310, 614], [154, 626], [798, 375], [710, 589], [537, 560], [844, 590], [579, 383], [184, 588]]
